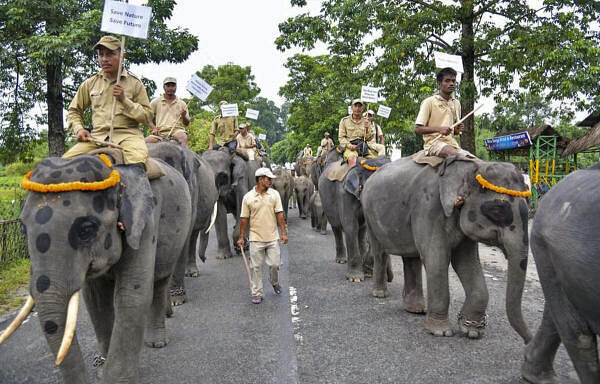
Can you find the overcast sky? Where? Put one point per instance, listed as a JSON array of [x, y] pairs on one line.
[[238, 31]]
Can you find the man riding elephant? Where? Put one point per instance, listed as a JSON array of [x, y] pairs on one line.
[[355, 132], [226, 129]]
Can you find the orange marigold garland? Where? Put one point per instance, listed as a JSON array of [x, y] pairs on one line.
[[486, 184], [368, 167], [110, 181]]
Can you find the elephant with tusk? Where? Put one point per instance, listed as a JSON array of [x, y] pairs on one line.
[[71, 218], [438, 215]]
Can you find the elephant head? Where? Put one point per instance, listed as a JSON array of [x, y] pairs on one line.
[[491, 217], [304, 189], [70, 219]]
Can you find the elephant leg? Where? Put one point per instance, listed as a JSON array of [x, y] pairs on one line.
[[224, 248], [156, 332], [539, 354], [363, 249], [465, 261], [323, 224], [177, 287], [191, 269], [98, 296], [437, 261], [355, 273], [380, 262], [413, 285], [340, 250], [203, 243]]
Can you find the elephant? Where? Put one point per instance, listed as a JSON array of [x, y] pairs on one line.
[[564, 243], [318, 220], [284, 184], [234, 177], [347, 208], [76, 245], [303, 165], [439, 216], [316, 169], [304, 189], [200, 178]]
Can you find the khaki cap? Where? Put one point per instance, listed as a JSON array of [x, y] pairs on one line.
[[370, 112], [244, 125], [264, 172], [326, 133], [357, 101], [109, 42], [169, 80]]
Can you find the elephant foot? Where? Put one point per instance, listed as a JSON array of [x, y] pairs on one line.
[[438, 327], [380, 292], [156, 336], [222, 255], [532, 373], [414, 304], [474, 329], [157, 343], [192, 271], [368, 274], [169, 311], [355, 276], [178, 296], [341, 260]]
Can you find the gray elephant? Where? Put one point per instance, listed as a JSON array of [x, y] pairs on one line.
[[234, 176], [440, 214], [304, 189], [316, 169], [284, 184], [565, 243], [318, 220], [200, 179], [303, 165], [75, 245], [342, 199]]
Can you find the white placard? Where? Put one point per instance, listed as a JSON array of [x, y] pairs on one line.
[[199, 87], [262, 136], [443, 60], [126, 19], [349, 109], [229, 110], [369, 94], [384, 111], [252, 114]]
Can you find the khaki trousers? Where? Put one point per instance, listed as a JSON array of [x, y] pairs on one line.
[[135, 149], [264, 253]]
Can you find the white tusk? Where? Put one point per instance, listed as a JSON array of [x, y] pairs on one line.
[[212, 218], [70, 326], [16, 323]]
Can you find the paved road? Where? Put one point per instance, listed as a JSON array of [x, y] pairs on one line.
[[321, 330]]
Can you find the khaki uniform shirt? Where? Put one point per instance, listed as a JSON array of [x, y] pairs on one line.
[[327, 144], [168, 114], [96, 92], [308, 152], [246, 142], [261, 210], [224, 128], [438, 112], [350, 130]]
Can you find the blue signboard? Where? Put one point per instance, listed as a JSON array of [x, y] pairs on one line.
[[512, 141]]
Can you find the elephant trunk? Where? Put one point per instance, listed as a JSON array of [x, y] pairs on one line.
[[517, 268]]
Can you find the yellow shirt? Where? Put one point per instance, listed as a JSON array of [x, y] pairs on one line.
[[261, 210], [438, 112], [224, 128], [246, 142], [350, 130], [168, 114], [326, 144], [96, 92], [307, 151]]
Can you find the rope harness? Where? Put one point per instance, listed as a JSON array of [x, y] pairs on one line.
[[486, 184], [110, 181]]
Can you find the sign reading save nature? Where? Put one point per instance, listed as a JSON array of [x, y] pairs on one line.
[[126, 19], [512, 141]]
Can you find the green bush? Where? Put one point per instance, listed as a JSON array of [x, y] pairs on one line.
[[18, 168]]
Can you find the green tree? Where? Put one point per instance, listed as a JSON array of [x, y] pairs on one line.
[[48, 52], [230, 82], [270, 118], [553, 50]]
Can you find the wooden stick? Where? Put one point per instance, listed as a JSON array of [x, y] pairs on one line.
[[247, 267], [466, 117], [114, 104], [105, 143]]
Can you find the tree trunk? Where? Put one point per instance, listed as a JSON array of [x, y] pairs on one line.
[[467, 86], [55, 102]]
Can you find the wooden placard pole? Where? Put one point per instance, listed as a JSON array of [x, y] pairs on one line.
[[114, 104]]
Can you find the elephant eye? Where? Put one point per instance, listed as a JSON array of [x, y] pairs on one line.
[[83, 231], [498, 212], [88, 230]]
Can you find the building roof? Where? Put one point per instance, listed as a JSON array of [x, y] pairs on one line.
[[581, 143], [591, 120]]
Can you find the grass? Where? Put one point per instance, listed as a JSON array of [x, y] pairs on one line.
[[14, 278]]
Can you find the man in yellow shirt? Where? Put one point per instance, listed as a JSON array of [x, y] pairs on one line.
[[99, 92], [226, 129], [437, 115], [378, 142], [326, 145], [171, 115], [246, 142], [354, 133], [262, 211]]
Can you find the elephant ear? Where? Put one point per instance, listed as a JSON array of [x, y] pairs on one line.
[[135, 202], [455, 176]]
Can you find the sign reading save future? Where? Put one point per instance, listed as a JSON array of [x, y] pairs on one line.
[[369, 94], [514, 140], [199, 87], [126, 19]]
